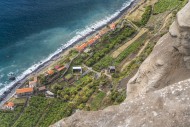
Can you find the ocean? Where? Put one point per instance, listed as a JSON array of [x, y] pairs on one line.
[[33, 31]]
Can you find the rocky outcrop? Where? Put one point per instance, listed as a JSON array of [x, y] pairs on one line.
[[169, 62], [159, 93], [169, 107]]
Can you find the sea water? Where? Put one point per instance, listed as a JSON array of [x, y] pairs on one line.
[[33, 31]]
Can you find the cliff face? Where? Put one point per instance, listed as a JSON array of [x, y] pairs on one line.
[[159, 94], [169, 62]]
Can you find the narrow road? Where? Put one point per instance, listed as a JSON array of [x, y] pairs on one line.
[[135, 26], [90, 69]]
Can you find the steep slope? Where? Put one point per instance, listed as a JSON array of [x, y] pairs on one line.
[[170, 60], [158, 95]]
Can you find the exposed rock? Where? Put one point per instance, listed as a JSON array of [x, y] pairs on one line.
[[170, 60], [159, 94], [169, 107]]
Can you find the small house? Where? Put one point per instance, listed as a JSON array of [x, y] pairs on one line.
[[60, 68], [33, 83], [42, 89], [9, 106], [50, 72], [111, 69], [77, 69], [49, 94], [112, 26], [24, 92]]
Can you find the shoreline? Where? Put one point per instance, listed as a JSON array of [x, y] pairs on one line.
[[11, 90]]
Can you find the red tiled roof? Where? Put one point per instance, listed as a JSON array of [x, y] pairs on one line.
[[24, 90], [82, 47], [10, 104], [112, 26], [50, 72], [61, 68]]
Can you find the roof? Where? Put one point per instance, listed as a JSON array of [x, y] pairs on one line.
[[42, 88], [77, 67], [57, 66], [50, 72], [24, 90], [9, 104], [61, 68], [112, 26], [91, 41], [82, 47], [111, 67], [49, 93], [34, 81]]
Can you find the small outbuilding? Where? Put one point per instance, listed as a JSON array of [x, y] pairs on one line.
[[111, 69], [42, 89], [33, 83], [49, 94], [112, 26], [9, 106], [77, 69], [50, 72]]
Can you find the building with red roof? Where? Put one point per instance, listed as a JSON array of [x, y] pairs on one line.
[[9, 106], [50, 72], [112, 26], [24, 92], [33, 83]]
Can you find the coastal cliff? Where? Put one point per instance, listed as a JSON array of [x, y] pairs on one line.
[[158, 94]]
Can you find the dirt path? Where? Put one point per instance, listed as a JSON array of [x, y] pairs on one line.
[[142, 49], [90, 69], [123, 47], [134, 26], [166, 21]]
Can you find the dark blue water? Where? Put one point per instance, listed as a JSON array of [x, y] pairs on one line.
[[31, 30]]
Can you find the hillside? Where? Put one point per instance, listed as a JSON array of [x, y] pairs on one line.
[[158, 94], [97, 96]]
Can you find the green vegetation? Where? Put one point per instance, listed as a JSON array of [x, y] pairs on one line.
[[135, 64], [7, 118], [118, 96], [133, 48], [42, 112], [103, 63], [168, 5], [19, 101], [108, 43], [88, 92], [96, 101], [145, 17], [56, 110], [32, 113]]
